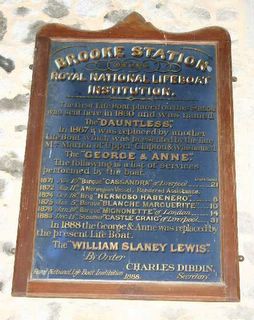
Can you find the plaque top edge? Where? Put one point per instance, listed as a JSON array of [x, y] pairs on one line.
[[143, 30]]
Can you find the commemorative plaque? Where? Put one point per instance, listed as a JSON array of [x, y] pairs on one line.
[[129, 184]]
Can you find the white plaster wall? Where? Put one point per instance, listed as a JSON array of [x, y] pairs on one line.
[[19, 21]]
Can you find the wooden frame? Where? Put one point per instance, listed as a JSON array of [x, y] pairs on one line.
[[133, 28]]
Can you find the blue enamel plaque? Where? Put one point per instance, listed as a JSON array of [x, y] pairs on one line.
[[129, 174]]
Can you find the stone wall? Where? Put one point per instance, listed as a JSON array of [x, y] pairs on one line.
[[19, 21]]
